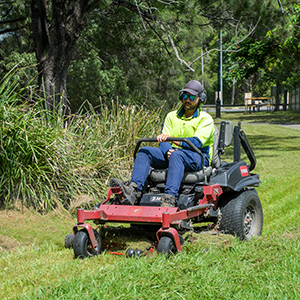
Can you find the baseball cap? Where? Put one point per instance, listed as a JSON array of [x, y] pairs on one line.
[[193, 87]]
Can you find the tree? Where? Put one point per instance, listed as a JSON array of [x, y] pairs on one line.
[[14, 31], [149, 47], [54, 45], [55, 42], [270, 56]]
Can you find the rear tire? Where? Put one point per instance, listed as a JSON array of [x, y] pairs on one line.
[[242, 215], [82, 245]]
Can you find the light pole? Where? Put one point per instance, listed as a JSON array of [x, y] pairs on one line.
[[219, 101]]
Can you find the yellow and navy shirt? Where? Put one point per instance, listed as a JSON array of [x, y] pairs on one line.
[[199, 129]]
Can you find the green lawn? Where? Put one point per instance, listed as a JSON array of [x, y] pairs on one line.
[[35, 265]]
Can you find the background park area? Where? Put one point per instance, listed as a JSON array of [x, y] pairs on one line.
[[82, 81]]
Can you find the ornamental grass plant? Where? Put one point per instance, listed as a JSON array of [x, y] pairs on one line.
[[47, 160]]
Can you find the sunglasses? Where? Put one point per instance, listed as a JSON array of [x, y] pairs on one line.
[[185, 96]]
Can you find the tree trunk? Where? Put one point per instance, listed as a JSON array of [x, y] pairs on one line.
[[277, 97], [285, 100], [202, 65], [54, 47]]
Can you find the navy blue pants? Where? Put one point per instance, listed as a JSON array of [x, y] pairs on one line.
[[180, 161]]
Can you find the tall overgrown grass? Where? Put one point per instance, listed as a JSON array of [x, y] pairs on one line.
[[47, 161]]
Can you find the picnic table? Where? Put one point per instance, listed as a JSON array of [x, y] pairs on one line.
[[257, 102]]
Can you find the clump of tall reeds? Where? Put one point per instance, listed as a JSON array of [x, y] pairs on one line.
[[46, 161]]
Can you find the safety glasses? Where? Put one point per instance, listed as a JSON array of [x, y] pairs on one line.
[[185, 96]]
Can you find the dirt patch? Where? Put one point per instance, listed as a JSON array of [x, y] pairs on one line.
[[9, 219], [8, 244]]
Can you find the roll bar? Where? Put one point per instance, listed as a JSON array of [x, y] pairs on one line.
[[240, 139], [224, 141]]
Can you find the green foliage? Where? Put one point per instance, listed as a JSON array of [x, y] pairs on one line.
[[290, 51], [38, 266], [268, 57], [26, 64], [132, 63], [46, 160], [264, 268], [121, 56], [89, 81], [15, 31], [27, 147]]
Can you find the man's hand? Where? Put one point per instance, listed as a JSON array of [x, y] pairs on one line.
[[162, 137], [170, 152]]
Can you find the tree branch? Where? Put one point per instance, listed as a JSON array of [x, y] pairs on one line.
[[159, 36], [12, 21], [7, 12], [175, 49], [228, 48], [92, 5], [281, 7], [141, 12], [144, 15], [148, 16], [11, 30]]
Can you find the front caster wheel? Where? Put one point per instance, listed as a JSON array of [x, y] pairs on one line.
[[82, 245], [167, 246], [69, 239]]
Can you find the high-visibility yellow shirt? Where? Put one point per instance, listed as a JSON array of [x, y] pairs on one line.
[[200, 125]]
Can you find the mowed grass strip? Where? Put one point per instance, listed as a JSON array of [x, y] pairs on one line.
[[263, 268]]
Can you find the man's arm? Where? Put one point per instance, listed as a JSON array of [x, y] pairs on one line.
[[164, 146], [195, 140]]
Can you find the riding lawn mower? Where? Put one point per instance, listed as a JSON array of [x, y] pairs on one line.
[[223, 194]]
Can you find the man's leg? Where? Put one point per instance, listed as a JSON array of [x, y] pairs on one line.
[[147, 156], [179, 162]]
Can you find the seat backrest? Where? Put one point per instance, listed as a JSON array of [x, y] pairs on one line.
[[216, 159], [226, 134], [222, 139]]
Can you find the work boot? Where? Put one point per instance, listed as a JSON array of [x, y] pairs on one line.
[[168, 200], [136, 192], [130, 193]]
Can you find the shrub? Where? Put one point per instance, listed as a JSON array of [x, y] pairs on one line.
[[46, 160]]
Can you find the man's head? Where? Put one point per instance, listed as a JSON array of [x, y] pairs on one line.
[[191, 95]]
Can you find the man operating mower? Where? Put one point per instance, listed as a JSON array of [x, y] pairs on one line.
[[190, 122]]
